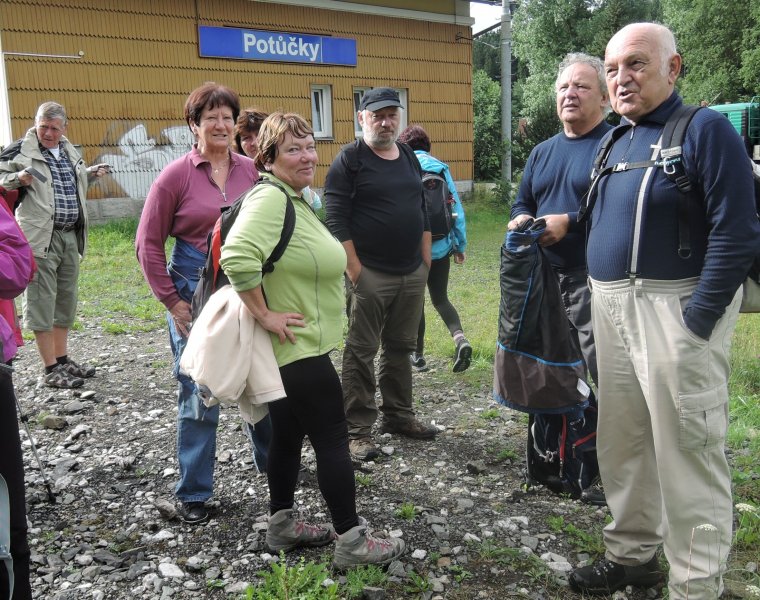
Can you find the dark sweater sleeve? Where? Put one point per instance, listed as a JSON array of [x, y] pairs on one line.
[[525, 203], [725, 176], [339, 188]]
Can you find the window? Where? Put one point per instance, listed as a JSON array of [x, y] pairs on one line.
[[321, 111], [359, 93]]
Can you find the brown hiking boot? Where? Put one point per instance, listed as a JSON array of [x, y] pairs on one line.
[[362, 449], [411, 428]]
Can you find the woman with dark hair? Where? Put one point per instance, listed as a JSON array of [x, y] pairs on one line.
[[247, 130], [300, 303], [454, 243], [184, 202]]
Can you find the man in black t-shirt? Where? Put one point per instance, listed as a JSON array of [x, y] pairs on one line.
[[376, 208]]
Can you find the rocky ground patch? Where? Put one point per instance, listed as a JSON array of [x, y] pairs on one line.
[[108, 449]]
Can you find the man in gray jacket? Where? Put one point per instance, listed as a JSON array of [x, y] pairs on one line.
[[52, 180]]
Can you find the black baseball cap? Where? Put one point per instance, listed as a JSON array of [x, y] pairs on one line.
[[378, 98]]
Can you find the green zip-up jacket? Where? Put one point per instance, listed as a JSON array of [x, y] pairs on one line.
[[308, 279]]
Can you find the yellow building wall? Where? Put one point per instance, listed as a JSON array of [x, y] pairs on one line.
[[125, 96]]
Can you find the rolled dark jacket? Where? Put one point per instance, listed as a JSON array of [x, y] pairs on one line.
[[539, 367]]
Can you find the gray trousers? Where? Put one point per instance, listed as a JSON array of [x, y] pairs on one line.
[[384, 309], [576, 297]]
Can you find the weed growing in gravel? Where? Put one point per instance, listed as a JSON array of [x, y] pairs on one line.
[[215, 584], [365, 576], [406, 511], [747, 533], [490, 414], [418, 584], [302, 580], [363, 479], [517, 560], [459, 573], [582, 541]]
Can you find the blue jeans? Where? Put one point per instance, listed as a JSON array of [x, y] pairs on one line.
[[197, 423]]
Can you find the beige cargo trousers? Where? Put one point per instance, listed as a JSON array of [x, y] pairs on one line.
[[663, 417]]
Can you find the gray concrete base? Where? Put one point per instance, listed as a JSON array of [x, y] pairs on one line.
[[104, 210]]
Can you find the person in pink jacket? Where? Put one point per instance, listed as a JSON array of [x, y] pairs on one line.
[[16, 270]]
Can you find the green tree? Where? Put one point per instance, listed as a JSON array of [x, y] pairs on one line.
[[487, 146], [711, 38]]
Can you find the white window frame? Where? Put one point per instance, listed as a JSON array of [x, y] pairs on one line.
[[321, 98], [359, 91]]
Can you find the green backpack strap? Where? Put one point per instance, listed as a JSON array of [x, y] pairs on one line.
[[5, 533]]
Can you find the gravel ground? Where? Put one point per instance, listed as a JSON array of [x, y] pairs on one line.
[[108, 449]]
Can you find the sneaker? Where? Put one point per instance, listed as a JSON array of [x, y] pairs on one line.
[[285, 532], [78, 370], [194, 513], [362, 449], [60, 377], [462, 356], [418, 362], [605, 577], [359, 547], [410, 428]]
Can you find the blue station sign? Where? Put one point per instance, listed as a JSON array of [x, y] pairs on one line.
[[250, 44]]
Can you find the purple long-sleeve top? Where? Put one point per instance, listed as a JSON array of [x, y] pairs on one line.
[[16, 268], [184, 203]]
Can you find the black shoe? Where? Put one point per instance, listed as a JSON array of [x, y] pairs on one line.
[[606, 577], [194, 513], [594, 493], [418, 362], [462, 356]]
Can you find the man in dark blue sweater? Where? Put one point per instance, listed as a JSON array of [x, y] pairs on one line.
[[663, 322], [556, 177]]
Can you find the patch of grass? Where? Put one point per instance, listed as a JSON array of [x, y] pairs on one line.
[[215, 584], [459, 573], [363, 479], [302, 580], [365, 576], [517, 560], [407, 511], [582, 541], [489, 414], [418, 584]]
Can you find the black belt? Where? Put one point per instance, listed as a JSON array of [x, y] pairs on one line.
[[65, 227]]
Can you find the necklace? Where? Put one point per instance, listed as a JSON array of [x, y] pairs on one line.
[[220, 167]]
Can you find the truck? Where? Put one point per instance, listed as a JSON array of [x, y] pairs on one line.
[[745, 117]]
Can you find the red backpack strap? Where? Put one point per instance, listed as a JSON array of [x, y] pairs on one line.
[[216, 250]]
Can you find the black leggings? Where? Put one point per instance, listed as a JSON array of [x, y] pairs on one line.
[[438, 283], [313, 407], [12, 470]]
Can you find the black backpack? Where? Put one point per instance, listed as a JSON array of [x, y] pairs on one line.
[[561, 453], [440, 204], [212, 275]]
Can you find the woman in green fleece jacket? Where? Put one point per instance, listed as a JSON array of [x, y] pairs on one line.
[[302, 311]]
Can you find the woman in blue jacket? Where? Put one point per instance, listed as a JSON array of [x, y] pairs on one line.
[[453, 243]]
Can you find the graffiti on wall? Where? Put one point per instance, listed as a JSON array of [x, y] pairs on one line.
[[136, 158]]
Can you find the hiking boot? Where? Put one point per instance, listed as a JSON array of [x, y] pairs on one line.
[[418, 362], [285, 532], [362, 449], [60, 377], [357, 546], [78, 370], [605, 577], [194, 513], [462, 356], [410, 428], [594, 493]]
